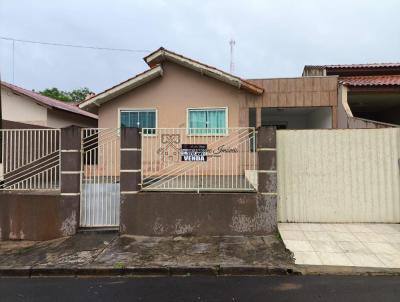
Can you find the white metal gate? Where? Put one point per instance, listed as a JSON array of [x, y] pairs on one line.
[[227, 162], [100, 189], [349, 175], [30, 159]]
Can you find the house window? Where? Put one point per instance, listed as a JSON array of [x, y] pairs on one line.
[[139, 119], [207, 121]]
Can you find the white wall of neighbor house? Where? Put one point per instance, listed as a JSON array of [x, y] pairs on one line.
[[60, 119], [19, 108], [346, 175]]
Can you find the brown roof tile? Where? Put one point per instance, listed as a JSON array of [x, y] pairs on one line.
[[355, 66], [379, 80]]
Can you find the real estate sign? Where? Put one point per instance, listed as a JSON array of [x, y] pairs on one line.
[[194, 152]]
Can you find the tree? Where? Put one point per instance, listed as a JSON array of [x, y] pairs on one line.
[[80, 94], [56, 94], [74, 96]]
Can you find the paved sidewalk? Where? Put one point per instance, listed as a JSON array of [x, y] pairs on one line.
[[354, 245], [108, 251]]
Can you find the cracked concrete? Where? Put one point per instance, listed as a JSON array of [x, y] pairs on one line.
[[91, 249]]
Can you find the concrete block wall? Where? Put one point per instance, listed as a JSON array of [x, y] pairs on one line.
[[41, 215], [187, 213]]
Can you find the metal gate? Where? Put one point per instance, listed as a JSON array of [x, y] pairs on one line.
[[200, 159], [350, 175], [100, 189], [30, 159]]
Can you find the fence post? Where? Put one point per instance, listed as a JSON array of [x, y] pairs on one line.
[[266, 151], [71, 173], [130, 161]]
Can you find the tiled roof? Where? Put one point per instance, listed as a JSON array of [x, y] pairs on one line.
[[122, 87], [379, 80], [355, 66], [165, 54], [46, 101]]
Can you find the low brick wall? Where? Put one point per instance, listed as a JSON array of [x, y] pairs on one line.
[[163, 214], [37, 216]]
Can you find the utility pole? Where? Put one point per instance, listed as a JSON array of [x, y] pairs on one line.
[[13, 60], [232, 64]]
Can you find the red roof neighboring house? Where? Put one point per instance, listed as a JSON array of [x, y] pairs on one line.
[[346, 70], [356, 66], [48, 102], [380, 80]]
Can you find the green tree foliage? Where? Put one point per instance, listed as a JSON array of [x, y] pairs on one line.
[[74, 96]]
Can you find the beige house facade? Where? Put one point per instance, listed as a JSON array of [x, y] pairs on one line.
[[176, 88], [172, 95]]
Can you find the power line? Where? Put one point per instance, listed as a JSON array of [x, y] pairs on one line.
[[75, 45]]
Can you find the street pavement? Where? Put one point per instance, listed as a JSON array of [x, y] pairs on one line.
[[203, 288]]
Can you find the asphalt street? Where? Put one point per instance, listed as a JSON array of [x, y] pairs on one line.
[[203, 288]]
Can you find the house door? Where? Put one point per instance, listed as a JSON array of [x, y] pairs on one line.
[[100, 190]]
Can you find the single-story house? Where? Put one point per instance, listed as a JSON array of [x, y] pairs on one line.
[[22, 108], [179, 92]]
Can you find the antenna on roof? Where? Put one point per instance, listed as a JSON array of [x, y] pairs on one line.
[[232, 64]]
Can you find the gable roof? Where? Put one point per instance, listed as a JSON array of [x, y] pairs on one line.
[[154, 61], [123, 87], [48, 102], [163, 54]]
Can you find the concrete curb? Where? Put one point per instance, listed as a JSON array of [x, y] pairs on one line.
[[144, 271], [346, 270], [217, 270]]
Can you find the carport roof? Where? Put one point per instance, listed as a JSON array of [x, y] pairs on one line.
[[379, 80]]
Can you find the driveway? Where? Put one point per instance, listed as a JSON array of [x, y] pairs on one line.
[[361, 245]]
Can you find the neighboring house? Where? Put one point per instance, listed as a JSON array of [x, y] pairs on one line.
[[179, 92], [366, 91], [22, 108]]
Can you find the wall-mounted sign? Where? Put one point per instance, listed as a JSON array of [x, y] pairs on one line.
[[194, 152]]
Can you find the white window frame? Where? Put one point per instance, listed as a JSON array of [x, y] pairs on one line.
[[207, 109], [138, 110]]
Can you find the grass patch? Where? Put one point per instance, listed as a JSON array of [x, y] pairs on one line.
[[119, 265]]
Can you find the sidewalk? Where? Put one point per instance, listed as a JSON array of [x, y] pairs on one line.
[[92, 253], [372, 245]]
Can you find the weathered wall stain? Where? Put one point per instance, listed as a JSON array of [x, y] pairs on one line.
[[260, 221], [172, 213], [37, 215], [185, 228], [158, 227], [68, 226]]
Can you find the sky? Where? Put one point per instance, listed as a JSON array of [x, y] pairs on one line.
[[273, 38]]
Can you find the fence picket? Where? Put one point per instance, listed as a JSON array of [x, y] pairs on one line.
[[28, 161], [223, 170]]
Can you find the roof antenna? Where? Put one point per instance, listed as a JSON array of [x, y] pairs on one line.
[[232, 64]]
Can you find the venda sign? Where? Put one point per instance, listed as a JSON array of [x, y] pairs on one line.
[[194, 152]]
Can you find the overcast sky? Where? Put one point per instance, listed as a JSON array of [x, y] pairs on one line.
[[273, 38]]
